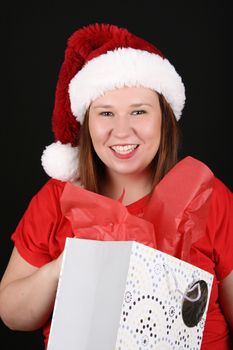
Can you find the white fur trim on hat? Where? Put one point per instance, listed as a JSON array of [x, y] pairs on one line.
[[60, 161], [125, 67]]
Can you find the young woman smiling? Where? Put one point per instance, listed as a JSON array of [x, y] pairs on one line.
[[118, 101]]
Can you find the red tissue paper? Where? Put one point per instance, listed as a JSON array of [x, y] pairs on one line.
[[175, 216]]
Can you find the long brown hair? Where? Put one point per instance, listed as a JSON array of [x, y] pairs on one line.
[[92, 169]]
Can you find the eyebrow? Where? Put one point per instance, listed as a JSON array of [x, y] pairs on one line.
[[135, 105]]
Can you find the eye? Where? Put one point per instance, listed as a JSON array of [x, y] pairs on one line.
[[139, 112], [106, 114]]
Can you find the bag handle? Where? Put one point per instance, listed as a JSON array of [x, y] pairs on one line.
[[168, 269]]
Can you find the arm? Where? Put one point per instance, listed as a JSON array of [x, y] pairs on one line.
[[226, 297], [27, 293]]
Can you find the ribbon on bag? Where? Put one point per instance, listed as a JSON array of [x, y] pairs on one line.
[[96, 217], [178, 208]]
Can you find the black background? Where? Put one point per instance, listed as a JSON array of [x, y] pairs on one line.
[[194, 35]]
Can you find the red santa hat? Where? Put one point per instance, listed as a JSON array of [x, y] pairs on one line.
[[99, 58]]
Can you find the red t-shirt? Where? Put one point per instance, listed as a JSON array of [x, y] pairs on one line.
[[40, 237]]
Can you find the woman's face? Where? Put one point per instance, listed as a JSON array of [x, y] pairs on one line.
[[125, 128]]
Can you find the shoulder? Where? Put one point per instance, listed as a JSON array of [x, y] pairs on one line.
[[197, 172], [52, 186], [222, 198], [192, 168], [53, 183], [48, 196], [220, 222], [194, 164], [221, 189], [51, 193]]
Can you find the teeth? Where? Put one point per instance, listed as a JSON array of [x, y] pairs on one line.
[[124, 149]]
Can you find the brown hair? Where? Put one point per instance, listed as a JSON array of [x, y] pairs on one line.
[[92, 169]]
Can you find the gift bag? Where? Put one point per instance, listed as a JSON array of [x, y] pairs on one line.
[[115, 295]]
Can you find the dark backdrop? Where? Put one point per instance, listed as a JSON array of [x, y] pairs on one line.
[[195, 37]]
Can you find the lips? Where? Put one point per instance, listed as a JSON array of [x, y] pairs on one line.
[[124, 151]]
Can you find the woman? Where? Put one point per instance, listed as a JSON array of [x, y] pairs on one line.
[[127, 98]]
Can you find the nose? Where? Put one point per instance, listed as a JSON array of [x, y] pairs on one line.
[[122, 127]]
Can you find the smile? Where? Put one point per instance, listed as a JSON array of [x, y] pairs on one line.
[[124, 149]]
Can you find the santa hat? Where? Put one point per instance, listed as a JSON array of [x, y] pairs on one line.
[[99, 58]]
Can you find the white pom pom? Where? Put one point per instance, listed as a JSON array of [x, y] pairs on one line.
[[60, 161]]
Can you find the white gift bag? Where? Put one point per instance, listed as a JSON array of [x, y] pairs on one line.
[[115, 295]]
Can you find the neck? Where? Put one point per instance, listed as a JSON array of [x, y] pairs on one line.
[[134, 187]]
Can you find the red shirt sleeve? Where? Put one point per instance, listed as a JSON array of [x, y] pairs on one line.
[[39, 224], [220, 227]]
